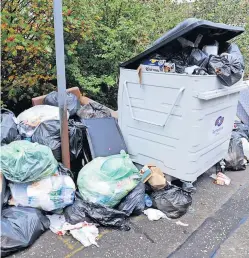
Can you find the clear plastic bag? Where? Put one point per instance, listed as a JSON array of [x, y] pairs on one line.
[[24, 161], [106, 180], [49, 194]]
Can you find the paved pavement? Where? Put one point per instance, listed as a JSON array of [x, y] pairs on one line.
[[218, 227]]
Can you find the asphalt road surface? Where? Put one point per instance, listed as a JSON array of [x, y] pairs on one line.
[[218, 227]]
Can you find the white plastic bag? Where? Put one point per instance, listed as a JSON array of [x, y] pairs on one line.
[[51, 193], [154, 214], [86, 235], [31, 118]]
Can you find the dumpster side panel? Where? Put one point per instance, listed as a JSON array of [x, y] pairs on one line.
[[181, 123]]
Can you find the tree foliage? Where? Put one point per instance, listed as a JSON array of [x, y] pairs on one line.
[[99, 35]]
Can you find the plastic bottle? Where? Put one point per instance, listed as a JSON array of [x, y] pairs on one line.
[[148, 201]]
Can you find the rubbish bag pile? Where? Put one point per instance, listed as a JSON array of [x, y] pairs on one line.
[[109, 188], [202, 48]]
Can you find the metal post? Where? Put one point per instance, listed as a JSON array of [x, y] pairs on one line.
[[61, 81]]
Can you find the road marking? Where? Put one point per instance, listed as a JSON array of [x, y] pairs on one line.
[[74, 252], [66, 242]]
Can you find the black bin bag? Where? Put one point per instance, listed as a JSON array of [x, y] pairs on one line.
[[9, 131], [82, 210], [134, 202], [20, 228], [172, 200], [48, 133], [73, 104], [229, 66], [235, 159]]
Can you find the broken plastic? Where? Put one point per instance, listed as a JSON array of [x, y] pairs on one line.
[[9, 131], [73, 104], [20, 227], [106, 180], [172, 200], [23, 161]]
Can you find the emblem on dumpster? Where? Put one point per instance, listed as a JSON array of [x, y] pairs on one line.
[[219, 121]]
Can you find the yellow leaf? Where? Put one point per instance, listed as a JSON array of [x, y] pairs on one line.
[[19, 47]]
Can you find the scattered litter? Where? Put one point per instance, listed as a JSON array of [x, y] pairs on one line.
[[134, 202], [93, 110], [172, 200], [221, 179], [148, 201], [73, 104], [154, 214], [154, 176], [23, 161], [29, 119], [106, 180], [51, 193], [181, 223], [86, 234], [20, 227], [9, 131], [56, 224]]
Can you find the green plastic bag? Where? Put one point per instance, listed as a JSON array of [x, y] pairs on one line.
[[106, 180], [24, 161]]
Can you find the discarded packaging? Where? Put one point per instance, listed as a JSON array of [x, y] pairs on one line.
[[20, 227], [73, 104], [154, 214], [23, 161], [156, 178], [221, 179], [134, 202], [9, 131], [56, 224], [107, 180], [172, 200], [29, 119], [86, 234]]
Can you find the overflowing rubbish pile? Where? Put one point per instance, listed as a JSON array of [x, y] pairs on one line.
[[202, 48], [36, 189], [39, 193]]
